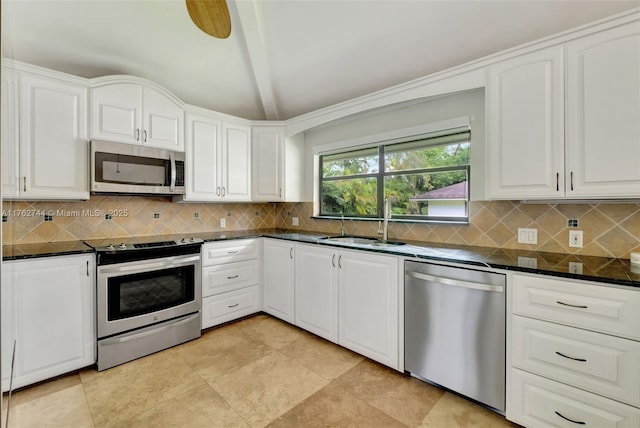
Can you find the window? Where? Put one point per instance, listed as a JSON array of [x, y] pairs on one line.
[[425, 179]]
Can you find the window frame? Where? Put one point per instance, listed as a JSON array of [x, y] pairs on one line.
[[382, 174]]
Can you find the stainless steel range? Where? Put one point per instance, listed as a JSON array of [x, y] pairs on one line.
[[148, 296]]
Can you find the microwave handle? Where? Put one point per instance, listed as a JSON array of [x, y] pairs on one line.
[[172, 157]]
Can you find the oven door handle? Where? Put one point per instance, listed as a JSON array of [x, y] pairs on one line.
[[165, 264]]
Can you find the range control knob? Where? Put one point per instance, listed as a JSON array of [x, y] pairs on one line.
[[183, 240], [110, 247], [122, 246], [192, 239]]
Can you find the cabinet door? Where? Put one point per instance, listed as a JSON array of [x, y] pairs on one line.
[[236, 162], [525, 148], [53, 139], [162, 121], [202, 158], [116, 113], [368, 305], [53, 304], [9, 128], [268, 168], [7, 322], [316, 290], [279, 277], [603, 107]]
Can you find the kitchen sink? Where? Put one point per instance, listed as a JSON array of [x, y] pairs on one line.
[[359, 240]]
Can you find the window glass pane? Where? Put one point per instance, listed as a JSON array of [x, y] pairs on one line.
[[351, 197], [421, 155], [363, 161], [436, 194]]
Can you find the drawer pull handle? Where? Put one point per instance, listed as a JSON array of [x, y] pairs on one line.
[[570, 305], [233, 277], [233, 252], [570, 420], [571, 358], [233, 306]]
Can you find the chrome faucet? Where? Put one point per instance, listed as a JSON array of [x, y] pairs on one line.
[[385, 219], [342, 225]]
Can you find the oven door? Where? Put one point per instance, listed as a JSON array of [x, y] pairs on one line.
[[137, 294]]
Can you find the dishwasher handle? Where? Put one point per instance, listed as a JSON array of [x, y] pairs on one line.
[[455, 282]]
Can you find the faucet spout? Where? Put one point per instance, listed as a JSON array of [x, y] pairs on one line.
[[386, 220]]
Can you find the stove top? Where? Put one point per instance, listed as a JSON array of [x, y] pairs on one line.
[[142, 243]]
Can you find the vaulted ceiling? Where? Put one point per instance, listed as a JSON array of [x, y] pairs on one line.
[[284, 58]]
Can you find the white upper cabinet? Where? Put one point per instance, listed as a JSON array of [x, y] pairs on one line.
[[9, 127], [218, 160], [202, 149], [52, 146], [525, 100], [236, 162], [563, 121], [603, 114], [136, 114], [268, 163]]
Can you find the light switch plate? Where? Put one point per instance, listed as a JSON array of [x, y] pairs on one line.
[[294, 221], [527, 236], [223, 222]]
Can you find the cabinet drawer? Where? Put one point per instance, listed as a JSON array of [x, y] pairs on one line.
[[231, 276], [539, 402], [579, 304], [596, 362], [215, 253], [229, 306]]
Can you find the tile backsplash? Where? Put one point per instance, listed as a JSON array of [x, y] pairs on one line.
[[610, 230], [125, 216]]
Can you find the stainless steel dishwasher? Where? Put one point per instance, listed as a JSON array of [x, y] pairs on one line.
[[455, 330]]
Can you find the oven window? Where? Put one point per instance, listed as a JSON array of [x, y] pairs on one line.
[[147, 292]]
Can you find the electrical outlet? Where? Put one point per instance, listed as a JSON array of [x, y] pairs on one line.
[[294, 221], [575, 238], [527, 262], [223, 222], [575, 267], [527, 236]]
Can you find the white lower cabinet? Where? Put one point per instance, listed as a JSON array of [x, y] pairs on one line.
[[229, 306], [540, 402], [575, 354], [48, 311], [347, 297], [316, 290], [279, 277], [368, 305], [230, 280]]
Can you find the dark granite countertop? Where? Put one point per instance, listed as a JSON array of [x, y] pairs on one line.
[[44, 249], [600, 269]]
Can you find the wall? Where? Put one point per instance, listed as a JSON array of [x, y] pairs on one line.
[[132, 216], [433, 110], [610, 230]]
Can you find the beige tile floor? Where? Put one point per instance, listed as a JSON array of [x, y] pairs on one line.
[[256, 372]]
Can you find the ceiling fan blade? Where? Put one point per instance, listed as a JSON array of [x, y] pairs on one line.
[[211, 16]]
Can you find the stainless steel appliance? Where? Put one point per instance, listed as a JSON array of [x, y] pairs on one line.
[[127, 168], [148, 297], [455, 330]]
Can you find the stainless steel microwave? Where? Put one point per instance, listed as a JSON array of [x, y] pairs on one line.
[[128, 168]]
